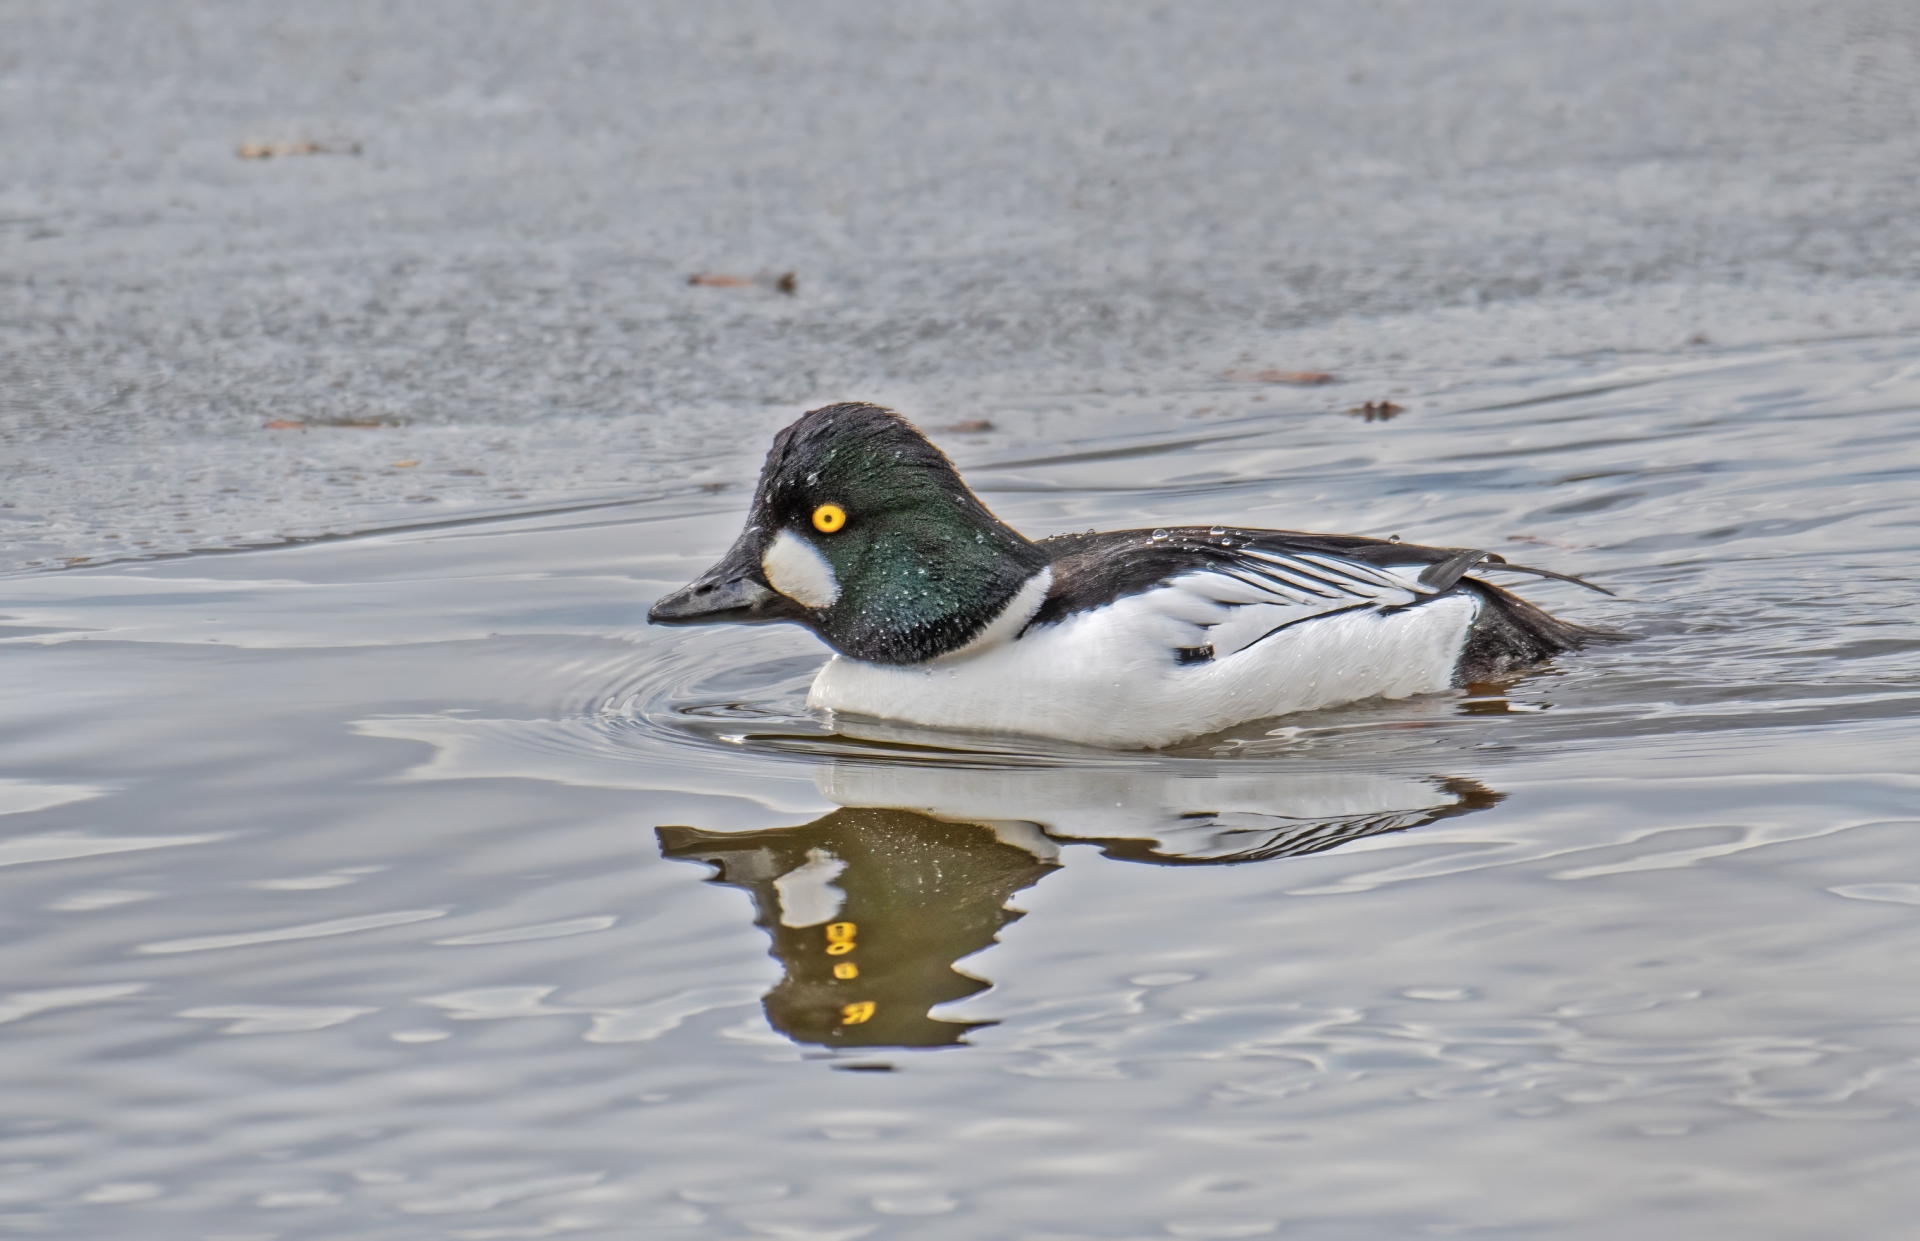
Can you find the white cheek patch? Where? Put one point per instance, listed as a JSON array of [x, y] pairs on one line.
[[798, 571]]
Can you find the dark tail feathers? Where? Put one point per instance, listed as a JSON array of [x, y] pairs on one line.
[[1512, 634]]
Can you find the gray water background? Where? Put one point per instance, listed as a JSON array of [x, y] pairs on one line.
[[330, 885]]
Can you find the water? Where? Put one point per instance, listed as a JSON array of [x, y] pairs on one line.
[[461, 913], [980, 205], [368, 868]]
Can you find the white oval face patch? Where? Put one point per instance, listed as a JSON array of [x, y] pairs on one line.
[[797, 570]]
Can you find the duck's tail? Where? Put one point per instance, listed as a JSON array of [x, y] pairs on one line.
[[1511, 634]]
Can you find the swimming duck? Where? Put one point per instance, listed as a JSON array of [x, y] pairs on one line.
[[941, 614]]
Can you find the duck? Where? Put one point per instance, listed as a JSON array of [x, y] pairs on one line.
[[941, 615]]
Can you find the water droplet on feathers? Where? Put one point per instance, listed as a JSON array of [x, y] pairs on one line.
[[1217, 531], [1159, 535]]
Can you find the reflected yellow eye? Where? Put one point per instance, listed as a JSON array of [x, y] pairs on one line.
[[828, 518]]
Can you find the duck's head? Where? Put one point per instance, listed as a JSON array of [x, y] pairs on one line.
[[862, 531]]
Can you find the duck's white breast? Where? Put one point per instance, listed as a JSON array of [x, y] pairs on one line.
[[1110, 676]]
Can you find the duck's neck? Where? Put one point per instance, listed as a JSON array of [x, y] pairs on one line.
[[927, 590]]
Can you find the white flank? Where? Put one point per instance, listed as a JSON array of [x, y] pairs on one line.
[[1110, 676], [797, 570]]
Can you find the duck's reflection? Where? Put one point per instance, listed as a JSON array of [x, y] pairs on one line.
[[871, 907], [1209, 838]]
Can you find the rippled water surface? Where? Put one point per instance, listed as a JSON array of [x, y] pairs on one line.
[[396, 882], [410, 886]]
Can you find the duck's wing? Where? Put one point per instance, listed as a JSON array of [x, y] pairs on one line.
[[1213, 595], [1217, 591], [1446, 564]]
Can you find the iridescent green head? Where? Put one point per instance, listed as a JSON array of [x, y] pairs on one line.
[[862, 531]]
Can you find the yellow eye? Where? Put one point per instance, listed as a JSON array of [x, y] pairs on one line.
[[828, 518]]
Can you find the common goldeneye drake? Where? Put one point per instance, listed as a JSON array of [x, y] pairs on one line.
[[943, 615]]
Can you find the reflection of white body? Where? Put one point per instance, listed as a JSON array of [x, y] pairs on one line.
[[1196, 817], [1111, 676], [1187, 810]]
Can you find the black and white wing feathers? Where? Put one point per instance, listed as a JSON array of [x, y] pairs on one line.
[[1223, 590], [1262, 593]]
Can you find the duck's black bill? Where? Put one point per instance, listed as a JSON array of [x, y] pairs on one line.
[[732, 592]]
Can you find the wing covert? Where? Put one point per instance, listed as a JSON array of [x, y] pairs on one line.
[[1260, 593]]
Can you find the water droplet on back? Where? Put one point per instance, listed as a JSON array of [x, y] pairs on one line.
[[1393, 538], [1217, 531], [1158, 535]]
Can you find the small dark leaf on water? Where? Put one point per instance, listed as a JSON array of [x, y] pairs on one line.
[[972, 426], [1377, 411], [788, 283], [1302, 379], [386, 420], [713, 280], [268, 150], [285, 424]]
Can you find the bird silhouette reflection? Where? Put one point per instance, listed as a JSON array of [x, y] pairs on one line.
[[871, 907]]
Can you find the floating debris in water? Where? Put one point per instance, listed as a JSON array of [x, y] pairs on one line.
[[971, 426], [271, 150], [1300, 379], [1377, 411], [786, 282], [299, 424]]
